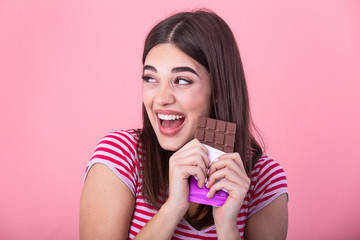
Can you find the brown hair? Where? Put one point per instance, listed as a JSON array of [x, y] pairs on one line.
[[207, 39]]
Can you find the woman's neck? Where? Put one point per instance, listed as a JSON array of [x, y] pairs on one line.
[[193, 217]]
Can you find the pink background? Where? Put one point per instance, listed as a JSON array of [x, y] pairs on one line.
[[70, 73]]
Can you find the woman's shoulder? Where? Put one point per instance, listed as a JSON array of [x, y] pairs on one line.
[[266, 164], [267, 175], [131, 134], [119, 151], [268, 181], [129, 138], [120, 142]]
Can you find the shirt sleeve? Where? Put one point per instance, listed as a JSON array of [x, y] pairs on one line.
[[268, 183], [117, 150]]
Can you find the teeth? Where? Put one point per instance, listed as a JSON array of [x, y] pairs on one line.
[[169, 117]]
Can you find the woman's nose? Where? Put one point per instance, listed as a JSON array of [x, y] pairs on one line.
[[164, 95]]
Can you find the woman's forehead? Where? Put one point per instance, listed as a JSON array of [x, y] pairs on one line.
[[169, 55]]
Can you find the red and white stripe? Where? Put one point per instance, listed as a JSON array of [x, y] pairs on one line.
[[121, 152]]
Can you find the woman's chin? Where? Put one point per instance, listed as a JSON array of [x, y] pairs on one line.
[[172, 144], [169, 146]]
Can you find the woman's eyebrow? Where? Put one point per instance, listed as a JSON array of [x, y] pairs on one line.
[[149, 67], [174, 70], [184, 69]]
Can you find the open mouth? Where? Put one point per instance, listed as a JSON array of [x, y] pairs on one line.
[[170, 121]]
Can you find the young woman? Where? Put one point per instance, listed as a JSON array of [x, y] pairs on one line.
[[137, 180]]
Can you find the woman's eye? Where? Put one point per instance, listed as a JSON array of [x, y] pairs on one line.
[[182, 81], [148, 79]]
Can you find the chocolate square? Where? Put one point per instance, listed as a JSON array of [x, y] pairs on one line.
[[216, 133]]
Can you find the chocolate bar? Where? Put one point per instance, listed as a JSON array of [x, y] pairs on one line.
[[216, 133]]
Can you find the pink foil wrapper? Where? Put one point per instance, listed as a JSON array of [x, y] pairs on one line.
[[198, 195]]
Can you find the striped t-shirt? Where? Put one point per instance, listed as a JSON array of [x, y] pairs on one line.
[[121, 151]]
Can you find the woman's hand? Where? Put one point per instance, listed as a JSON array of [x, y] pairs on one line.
[[190, 160], [228, 173]]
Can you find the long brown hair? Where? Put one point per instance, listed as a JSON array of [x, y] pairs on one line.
[[207, 39]]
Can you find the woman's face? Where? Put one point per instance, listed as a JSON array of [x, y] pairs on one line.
[[176, 91]]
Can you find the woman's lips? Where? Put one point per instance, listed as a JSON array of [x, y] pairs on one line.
[[170, 123]]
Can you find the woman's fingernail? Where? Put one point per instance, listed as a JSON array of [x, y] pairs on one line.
[[207, 195]]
